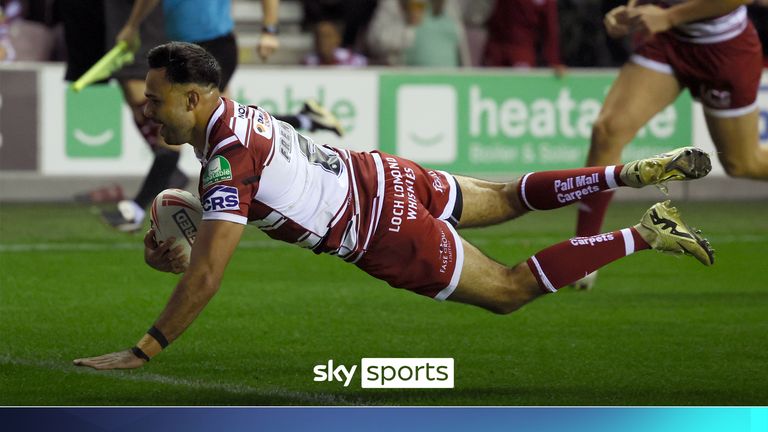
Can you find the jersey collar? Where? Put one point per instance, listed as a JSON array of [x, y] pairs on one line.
[[217, 113]]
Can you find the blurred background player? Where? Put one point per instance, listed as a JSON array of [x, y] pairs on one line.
[[207, 23], [707, 46]]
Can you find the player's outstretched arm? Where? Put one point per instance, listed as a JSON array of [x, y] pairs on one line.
[[215, 243]]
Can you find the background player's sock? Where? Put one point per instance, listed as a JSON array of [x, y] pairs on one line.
[[157, 179], [592, 210], [566, 262], [554, 189]]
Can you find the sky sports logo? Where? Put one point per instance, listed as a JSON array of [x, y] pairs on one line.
[[387, 373]]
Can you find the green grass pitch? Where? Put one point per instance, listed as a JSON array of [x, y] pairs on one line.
[[657, 330]]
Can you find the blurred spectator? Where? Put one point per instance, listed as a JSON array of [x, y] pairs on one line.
[[353, 14], [583, 41], [24, 33], [328, 49], [758, 12], [357, 16], [418, 33], [8, 13], [523, 33], [322, 10]]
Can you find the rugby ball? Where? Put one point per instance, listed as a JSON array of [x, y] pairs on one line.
[[176, 213]]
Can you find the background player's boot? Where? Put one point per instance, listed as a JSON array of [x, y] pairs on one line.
[[128, 217], [687, 163], [663, 228], [321, 118]]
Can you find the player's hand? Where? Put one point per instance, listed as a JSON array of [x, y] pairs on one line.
[[162, 256], [116, 360], [130, 35], [617, 22], [267, 45], [647, 20]]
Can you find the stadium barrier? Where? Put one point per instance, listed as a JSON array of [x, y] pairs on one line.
[[486, 123]]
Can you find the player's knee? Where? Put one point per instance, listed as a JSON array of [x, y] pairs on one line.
[[512, 297], [505, 308], [607, 129]]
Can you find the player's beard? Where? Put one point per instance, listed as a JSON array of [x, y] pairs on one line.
[[175, 135], [170, 136]]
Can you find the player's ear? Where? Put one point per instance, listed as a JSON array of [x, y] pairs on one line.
[[193, 98]]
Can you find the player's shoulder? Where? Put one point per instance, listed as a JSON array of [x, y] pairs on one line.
[[248, 124]]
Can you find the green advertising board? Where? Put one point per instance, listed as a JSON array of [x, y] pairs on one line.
[[94, 122], [501, 123]]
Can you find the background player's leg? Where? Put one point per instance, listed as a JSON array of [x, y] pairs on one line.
[[635, 97], [738, 145]]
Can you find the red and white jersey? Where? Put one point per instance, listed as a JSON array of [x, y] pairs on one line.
[[260, 171], [712, 30]]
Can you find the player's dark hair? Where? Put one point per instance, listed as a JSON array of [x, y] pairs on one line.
[[185, 63]]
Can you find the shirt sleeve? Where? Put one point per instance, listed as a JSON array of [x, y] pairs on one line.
[[229, 182]]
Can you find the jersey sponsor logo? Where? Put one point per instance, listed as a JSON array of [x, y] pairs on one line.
[[326, 159], [221, 198], [437, 184], [217, 170], [591, 241], [262, 124], [286, 138], [242, 111], [445, 251]]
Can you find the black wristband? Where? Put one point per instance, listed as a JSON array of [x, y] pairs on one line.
[[139, 353], [270, 29], [159, 336]]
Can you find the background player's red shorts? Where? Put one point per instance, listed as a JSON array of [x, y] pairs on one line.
[[724, 76], [415, 245]]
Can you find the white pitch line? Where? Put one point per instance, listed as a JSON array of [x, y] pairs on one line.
[[238, 389], [273, 244]]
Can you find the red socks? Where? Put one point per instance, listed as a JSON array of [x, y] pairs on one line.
[[569, 261], [554, 189], [592, 211]]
